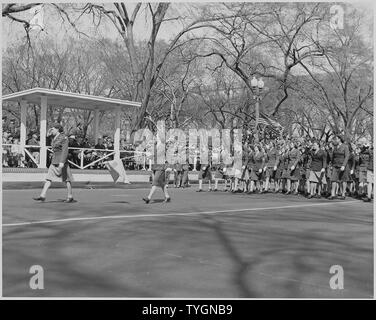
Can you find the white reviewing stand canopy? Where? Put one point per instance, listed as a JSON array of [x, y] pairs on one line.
[[45, 97]]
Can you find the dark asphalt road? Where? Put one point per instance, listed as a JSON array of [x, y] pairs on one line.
[[201, 245]]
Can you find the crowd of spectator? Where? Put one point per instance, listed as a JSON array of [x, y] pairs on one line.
[[12, 151], [82, 151]]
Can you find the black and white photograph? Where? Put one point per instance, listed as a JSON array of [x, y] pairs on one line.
[[187, 150]]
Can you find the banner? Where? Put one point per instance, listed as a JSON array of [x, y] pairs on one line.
[[116, 169]]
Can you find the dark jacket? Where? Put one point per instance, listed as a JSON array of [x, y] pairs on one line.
[[306, 157], [272, 157], [59, 147], [294, 157], [258, 161], [370, 164], [366, 159], [353, 159], [340, 156], [318, 160], [283, 161]]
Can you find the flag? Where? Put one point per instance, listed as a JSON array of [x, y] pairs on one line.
[[36, 22], [265, 121], [116, 169], [270, 121]]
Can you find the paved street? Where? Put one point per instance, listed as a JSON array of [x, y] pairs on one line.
[[211, 245]]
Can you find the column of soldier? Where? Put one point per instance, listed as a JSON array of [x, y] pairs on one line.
[[313, 168]]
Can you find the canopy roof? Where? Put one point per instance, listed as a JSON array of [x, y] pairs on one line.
[[69, 99]]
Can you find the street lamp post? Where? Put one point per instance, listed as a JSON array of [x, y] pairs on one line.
[[257, 87]]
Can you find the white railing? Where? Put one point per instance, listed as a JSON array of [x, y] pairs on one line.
[[81, 156], [109, 153], [31, 156], [102, 153], [24, 151]]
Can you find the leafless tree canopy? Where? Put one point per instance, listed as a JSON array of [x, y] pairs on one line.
[[318, 78]]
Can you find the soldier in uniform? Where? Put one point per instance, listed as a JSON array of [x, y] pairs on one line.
[[204, 174], [246, 168], [363, 163], [368, 154], [328, 148], [285, 171], [351, 169], [355, 171], [185, 171], [160, 179], [59, 168], [280, 181], [272, 159], [339, 159], [257, 164], [293, 169], [228, 175], [218, 174], [306, 149], [178, 174], [317, 165]]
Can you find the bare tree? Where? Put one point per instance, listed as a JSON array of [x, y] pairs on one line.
[[267, 40], [16, 13], [74, 68], [342, 79], [10, 9], [145, 66]]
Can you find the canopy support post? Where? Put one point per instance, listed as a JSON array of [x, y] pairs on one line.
[[96, 125], [23, 126], [43, 132], [117, 133]]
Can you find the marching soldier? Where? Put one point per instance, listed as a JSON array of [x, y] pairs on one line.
[[185, 171], [293, 169], [339, 159], [160, 179], [178, 174], [367, 163], [204, 174], [270, 169], [247, 167], [257, 165], [317, 166], [218, 174], [59, 168]]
